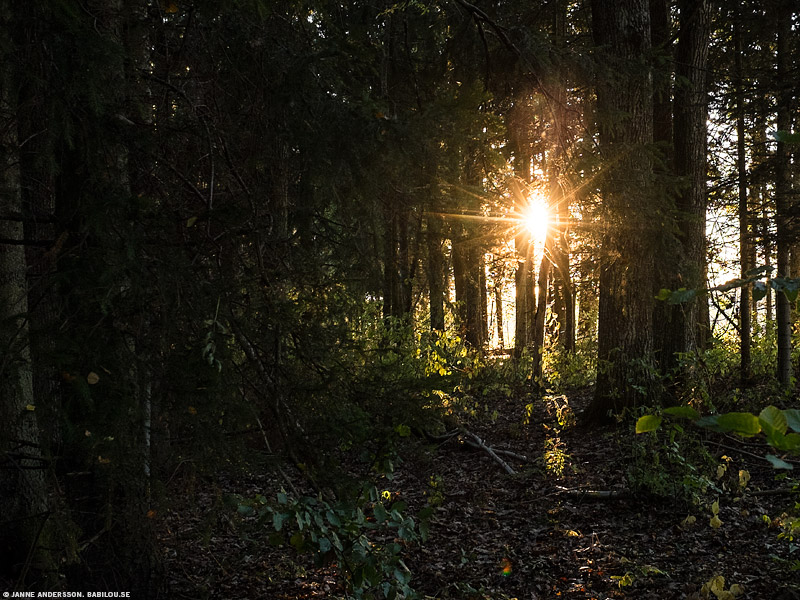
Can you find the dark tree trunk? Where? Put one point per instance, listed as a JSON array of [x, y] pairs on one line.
[[436, 281], [23, 486], [498, 307], [745, 308], [523, 275], [559, 202], [621, 29], [682, 330], [783, 190]]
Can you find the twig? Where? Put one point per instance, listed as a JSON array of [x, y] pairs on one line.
[[746, 453]]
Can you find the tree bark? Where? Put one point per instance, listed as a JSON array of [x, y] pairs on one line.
[[783, 190], [745, 308], [626, 375], [435, 272], [23, 488]]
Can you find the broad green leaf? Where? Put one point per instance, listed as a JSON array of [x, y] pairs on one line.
[[745, 424], [772, 420], [710, 422], [778, 463], [759, 290], [787, 443], [245, 510], [792, 418], [682, 295], [380, 512], [324, 545], [685, 412], [277, 520], [648, 423], [297, 541]]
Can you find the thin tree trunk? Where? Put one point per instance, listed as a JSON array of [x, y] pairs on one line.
[[783, 186], [498, 306], [745, 309], [435, 272]]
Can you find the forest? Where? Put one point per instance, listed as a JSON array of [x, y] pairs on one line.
[[400, 299]]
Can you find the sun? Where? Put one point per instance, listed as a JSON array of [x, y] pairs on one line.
[[536, 217]]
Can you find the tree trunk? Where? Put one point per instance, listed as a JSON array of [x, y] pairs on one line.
[[559, 202], [23, 489], [435, 272], [498, 307], [537, 345], [745, 308], [523, 248], [681, 331], [624, 106], [783, 190]]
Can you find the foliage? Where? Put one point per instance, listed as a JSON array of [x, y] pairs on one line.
[[366, 540], [773, 422], [668, 462]]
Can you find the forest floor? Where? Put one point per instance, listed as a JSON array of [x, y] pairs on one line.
[[542, 533]]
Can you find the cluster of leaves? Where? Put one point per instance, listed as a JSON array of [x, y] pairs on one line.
[[773, 422], [366, 540], [671, 464]]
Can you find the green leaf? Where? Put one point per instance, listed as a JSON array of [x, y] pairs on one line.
[[663, 294], [787, 443], [773, 420], [792, 418], [743, 423], [277, 520], [648, 423], [710, 422], [333, 519], [684, 412], [403, 430], [245, 510], [786, 137], [682, 295], [778, 463], [759, 290], [324, 545], [380, 512], [297, 541]]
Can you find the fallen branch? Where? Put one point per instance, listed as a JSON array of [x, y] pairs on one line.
[[489, 451]]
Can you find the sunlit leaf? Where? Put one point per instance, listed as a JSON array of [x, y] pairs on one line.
[[663, 294], [30, 407], [715, 522], [744, 478], [648, 423], [715, 507], [743, 423]]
